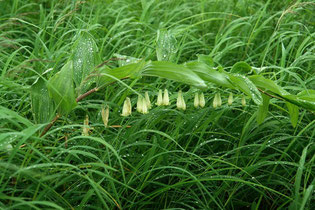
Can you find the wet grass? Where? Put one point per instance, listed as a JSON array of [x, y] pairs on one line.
[[168, 159]]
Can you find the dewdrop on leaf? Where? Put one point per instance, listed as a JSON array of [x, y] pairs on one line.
[[202, 101], [105, 116], [181, 105], [230, 99], [166, 100], [147, 99], [196, 100], [126, 108], [243, 101], [159, 99], [86, 128]]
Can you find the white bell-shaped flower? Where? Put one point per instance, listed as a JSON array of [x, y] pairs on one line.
[[166, 100], [181, 105], [126, 108], [105, 116], [230, 99], [202, 101], [196, 100], [160, 98]]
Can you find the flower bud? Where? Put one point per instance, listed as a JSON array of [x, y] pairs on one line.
[[243, 101], [147, 99], [181, 105], [202, 101], [126, 108], [159, 99], [86, 128], [166, 100], [196, 100], [230, 99], [105, 116]]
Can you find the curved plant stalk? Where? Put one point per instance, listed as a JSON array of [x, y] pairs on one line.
[[197, 73]]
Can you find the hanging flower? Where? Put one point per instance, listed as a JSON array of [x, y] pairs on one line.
[[86, 127], [215, 101], [142, 105], [196, 100], [159, 99], [230, 99], [219, 100], [202, 101], [181, 105], [147, 99], [126, 108], [105, 116], [166, 100]]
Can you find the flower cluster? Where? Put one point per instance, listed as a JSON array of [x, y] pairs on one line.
[[144, 105]]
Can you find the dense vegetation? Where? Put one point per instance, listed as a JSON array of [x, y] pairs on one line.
[[258, 155]]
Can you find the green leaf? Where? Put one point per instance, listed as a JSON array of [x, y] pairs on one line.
[[307, 195], [107, 75], [165, 45], [294, 113], [85, 58], [241, 68], [42, 105], [246, 86], [125, 60], [209, 74], [61, 89], [263, 109], [172, 71], [300, 101], [305, 99], [267, 84], [206, 59], [308, 95], [296, 204]]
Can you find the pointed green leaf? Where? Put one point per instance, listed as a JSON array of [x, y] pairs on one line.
[[305, 99], [209, 74], [267, 84], [125, 60], [308, 95], [61, 89], [302, 101], [241, 68], [173, 71], [165, 45], [263, 109], [42, 105], [294, 113], [107, 75], [206, 59], [85, 58], [245, 85]]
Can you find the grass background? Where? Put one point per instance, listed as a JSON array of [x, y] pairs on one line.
[[198, 159]]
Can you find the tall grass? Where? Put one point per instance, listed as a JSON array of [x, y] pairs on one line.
[[168, 159]]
